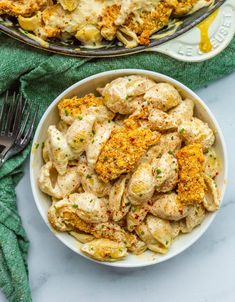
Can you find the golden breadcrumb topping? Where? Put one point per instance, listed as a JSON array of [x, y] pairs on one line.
[[107, 21], [73, 107], [150, 22], [22, 7], [182, 7], [124, 148], [191, 187]]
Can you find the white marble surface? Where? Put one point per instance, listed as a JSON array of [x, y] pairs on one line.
[[203, 273]]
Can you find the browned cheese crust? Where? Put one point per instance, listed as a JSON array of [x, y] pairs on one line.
[[22, 7]]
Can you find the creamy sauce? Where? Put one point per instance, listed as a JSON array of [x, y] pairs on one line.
[[205, 43], [135, 6]]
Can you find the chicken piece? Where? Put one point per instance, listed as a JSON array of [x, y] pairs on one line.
[[169, 143], [196, 131], [91, 183], [123, 150], [161, 121], [119, 204], [89, 208], [82, 237], [195, 217], [58, 150], [160, 229], [165, 173], [211, 163], [167, 206], [101, 134], [163, 96], [107, 21], [191, 187], [121, 94], [104, 250], [211, 199], [182, 112], [22, 7], [141, 185], [58, 186], [79, 134], [76, 108], [136, 215]]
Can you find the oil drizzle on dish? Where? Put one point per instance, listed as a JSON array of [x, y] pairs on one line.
[[205, 43]]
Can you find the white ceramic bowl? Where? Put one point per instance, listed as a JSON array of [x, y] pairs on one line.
[[89, 85]]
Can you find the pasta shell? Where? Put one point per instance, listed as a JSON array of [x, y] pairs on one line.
[[165, 173], [211, 163], [211, 199], [59, 151], [141, 185], [119, 204], [104, 250], [182, 112], [166, 206], [79, 134], [161, 121], [88, 207], [91, 183], [160, 229], [196, 131], [101, 134], [163, 96], [58, 186]]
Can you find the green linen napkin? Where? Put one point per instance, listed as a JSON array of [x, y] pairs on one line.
[[41, 76]]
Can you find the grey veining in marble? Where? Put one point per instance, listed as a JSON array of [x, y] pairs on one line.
[[203, 273]]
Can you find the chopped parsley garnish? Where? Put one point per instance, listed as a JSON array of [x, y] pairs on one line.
[[80, 117], [158, 171], [170, 152], [75, 206], [66, 112], [36, 146], [88, 176], [81, 140], [182, 131], [106, 158]]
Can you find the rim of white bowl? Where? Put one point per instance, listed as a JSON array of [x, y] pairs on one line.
[[184, 89]]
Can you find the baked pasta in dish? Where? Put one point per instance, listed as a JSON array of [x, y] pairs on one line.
[[92, 22], [129, 169]]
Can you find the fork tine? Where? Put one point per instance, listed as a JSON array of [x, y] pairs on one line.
[[17, 116], [31, 127], [10, 114], [3, 112], [23, 126]]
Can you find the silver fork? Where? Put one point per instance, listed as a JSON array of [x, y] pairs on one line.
[[15, 134]]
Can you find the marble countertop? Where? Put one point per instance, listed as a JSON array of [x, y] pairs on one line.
[[203, 273]]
